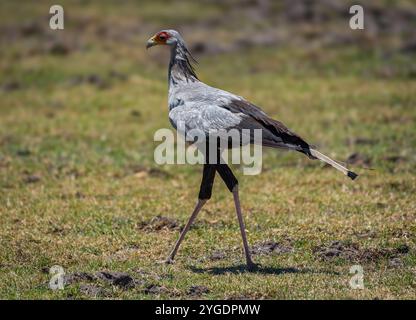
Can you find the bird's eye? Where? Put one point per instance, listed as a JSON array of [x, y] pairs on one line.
[[162, 37]]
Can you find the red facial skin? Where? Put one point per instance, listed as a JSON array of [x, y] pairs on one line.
[[161, 37]]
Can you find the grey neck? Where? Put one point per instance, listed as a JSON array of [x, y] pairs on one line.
[[180, 68]]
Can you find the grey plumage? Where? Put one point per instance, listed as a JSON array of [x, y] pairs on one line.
[[208, 109]]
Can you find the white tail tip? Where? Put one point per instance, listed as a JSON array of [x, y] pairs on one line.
[[352, 175]]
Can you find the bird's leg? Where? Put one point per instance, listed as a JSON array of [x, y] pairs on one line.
[[232, 184], [198, 207], [204, 194], [250, 264]]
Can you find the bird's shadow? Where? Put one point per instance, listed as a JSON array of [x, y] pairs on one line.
[[242, 268]]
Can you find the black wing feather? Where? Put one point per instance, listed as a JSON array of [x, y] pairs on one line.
[[276, 134]]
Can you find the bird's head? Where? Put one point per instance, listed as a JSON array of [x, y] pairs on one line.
[[179, 53], [165, 37]]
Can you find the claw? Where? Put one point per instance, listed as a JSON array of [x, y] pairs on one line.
[[165, 261], [169, 261]]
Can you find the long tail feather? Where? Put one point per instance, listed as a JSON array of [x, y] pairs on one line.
[[333, 163]]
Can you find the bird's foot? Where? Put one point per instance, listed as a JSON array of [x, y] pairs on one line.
[[166, 261], [251, 266], [169, 261]]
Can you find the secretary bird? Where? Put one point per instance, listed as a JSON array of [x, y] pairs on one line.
[[207, 109]]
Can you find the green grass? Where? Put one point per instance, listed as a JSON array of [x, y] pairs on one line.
[[83, 143]]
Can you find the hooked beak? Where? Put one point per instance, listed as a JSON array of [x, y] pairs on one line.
[[151, 42]]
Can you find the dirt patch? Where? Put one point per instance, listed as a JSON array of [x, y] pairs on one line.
[[58, 48], [119, 279], [353, 253], [93, 291], [136, 113], [217, 255], [197, 290], [271, 247], [155, 289], [77, 277], [152, 276], [358, 159], [31, 178], [159, 223], [11, 86], [31, 28], [23, 152], [97, 81]]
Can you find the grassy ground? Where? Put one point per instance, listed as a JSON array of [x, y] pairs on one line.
[[79, 187]]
